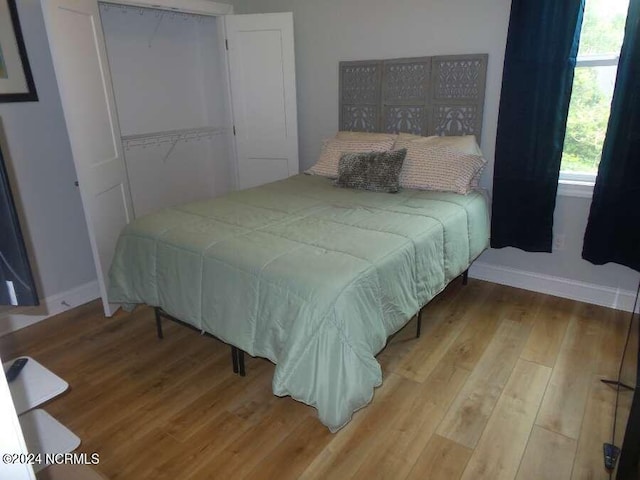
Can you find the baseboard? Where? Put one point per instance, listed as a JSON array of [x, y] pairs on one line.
[[557, 286], [22, 317]]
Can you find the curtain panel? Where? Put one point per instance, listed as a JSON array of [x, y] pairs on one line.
[[613, 229], [540, 57]]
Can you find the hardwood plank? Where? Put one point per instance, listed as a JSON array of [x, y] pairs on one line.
[[614, 325], [346, 452], [503, 441], [133, 403], [181, 461], [564, 402], [440, 333], [404, 341], [69, 472], [136, 464], [142, 396], [518, 305], [221, 398], [252, 445], [549, 455], [406, 438], [596, 430], [292, 455], [442, 459], [549, 328], [48, 336], [471, 343], [472, 407]]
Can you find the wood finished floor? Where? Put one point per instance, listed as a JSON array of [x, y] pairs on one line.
[[502, 384]]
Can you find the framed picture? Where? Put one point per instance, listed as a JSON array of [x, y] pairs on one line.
[[16, 82]]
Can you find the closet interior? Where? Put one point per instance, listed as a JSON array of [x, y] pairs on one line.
[[170, 83], [167, 102]]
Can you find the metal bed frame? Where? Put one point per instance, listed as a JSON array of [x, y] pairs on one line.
[[237, 354]]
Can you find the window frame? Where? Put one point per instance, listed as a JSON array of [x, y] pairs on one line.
[[580, 184]]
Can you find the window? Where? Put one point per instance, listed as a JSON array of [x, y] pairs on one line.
[[595, 75]]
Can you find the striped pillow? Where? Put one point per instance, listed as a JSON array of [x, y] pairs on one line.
[[430, 167], [333, 149], [462, 143]]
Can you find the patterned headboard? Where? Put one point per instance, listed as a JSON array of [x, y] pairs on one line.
[[441, 95]]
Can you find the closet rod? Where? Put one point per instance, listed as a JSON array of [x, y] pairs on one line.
[[157, 12], [198, 7], [171, 136]]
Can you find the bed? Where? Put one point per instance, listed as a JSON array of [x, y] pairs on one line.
[[312, 277]]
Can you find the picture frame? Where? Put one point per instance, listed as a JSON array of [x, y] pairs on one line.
[[16, 80]]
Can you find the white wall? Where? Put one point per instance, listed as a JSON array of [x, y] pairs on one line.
[[327, 32], [42, 174]]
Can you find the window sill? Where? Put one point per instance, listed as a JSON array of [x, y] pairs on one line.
[[575, 188]]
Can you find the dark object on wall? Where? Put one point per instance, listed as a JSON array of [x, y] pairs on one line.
[[613, 230], [542, 46], [16, 81], [16, 280]]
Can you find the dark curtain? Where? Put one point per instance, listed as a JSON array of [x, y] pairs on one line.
[[542, 45], [613, 230]]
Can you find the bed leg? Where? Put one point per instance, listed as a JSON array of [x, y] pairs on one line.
[[234, 358], [158, 323], [237, 358], [419, 323], [241, 362], [465, 277]]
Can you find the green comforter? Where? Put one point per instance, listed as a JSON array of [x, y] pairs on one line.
[[310, 276]]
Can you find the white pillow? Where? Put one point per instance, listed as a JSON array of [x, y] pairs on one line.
[[410, 136], [431, 167], [333, 149], [366, 136]]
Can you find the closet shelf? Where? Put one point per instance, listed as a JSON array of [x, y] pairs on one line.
[[157, 12], [171, 136]]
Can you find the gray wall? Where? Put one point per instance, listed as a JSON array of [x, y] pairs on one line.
[[38, 156], [329, 31], [333, 30]]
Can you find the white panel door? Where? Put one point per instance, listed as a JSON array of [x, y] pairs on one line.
[[80, 61], [263, 95]]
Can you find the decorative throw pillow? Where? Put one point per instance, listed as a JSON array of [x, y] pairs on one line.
[[429, 167], [333, 149], [376, 171]]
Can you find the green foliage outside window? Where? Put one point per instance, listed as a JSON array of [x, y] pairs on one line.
[[602, 33]]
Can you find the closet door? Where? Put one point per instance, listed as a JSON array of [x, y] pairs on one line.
[[80, 62], [263, 93]]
